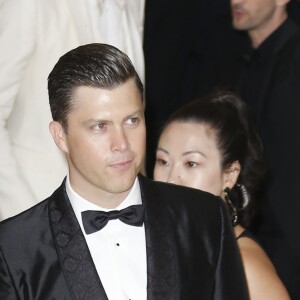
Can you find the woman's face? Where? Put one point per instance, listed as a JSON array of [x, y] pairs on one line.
[[187, 155]]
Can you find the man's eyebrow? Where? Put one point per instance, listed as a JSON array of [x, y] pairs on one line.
[[93, 121], [105, 119], [137, 112]]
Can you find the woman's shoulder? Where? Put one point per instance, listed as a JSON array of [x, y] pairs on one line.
[[263, 280]]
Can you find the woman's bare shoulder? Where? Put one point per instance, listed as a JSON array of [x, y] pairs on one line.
[[263, 280]]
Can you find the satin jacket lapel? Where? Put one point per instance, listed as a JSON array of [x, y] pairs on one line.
[[76, 261], [161, 259], [79, 12]]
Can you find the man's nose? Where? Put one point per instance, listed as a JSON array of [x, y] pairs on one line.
[[119, 140], [234, 2]]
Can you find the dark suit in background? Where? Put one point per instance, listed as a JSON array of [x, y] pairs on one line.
[[268, 79], [293, 9], [269, 82], [191, 251]]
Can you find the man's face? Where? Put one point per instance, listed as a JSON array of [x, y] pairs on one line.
[[105, 140], [252, 15]]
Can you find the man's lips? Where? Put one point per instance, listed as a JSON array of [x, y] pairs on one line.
[[238, 13], [121, 165]]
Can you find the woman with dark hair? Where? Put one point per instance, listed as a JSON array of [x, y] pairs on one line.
[[211, 144]]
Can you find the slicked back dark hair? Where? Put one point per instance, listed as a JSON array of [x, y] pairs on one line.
[[94, 65], [236, 139]]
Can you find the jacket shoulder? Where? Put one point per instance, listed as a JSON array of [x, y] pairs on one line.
[[30, 220], [178, 196], [25, 221]]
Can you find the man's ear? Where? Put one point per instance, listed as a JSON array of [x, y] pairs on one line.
[[231, 175], [59, 136]]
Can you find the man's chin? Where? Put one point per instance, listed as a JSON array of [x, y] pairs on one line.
[[122, 184], [240, 25]]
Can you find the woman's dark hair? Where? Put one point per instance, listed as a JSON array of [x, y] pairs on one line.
[[94, 65], [236, 138]]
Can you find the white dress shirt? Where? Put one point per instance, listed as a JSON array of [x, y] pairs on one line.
[[120, 23], [118, 250]]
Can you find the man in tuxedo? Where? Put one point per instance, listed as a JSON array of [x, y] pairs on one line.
[[33, 35], [107, 232], [269, 82]]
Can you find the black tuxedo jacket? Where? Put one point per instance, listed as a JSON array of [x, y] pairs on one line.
[[191, 251]]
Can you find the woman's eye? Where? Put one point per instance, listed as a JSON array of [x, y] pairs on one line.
[[161, 162], [191, 164]]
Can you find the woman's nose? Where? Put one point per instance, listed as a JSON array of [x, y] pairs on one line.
[[174, 177]]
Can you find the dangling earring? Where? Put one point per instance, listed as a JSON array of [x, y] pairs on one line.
[[245, 195], [232, 208]]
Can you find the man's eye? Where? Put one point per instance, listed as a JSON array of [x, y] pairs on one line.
[[132, 121], [101, 125]]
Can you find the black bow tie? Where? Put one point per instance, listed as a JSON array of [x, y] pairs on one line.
[[94, 220]]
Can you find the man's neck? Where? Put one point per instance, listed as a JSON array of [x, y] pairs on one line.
[[258, 36], [107, 200], [99, 197]]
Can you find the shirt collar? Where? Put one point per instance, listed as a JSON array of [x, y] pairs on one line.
[[262, 54], [268, 46], [80, 204]]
